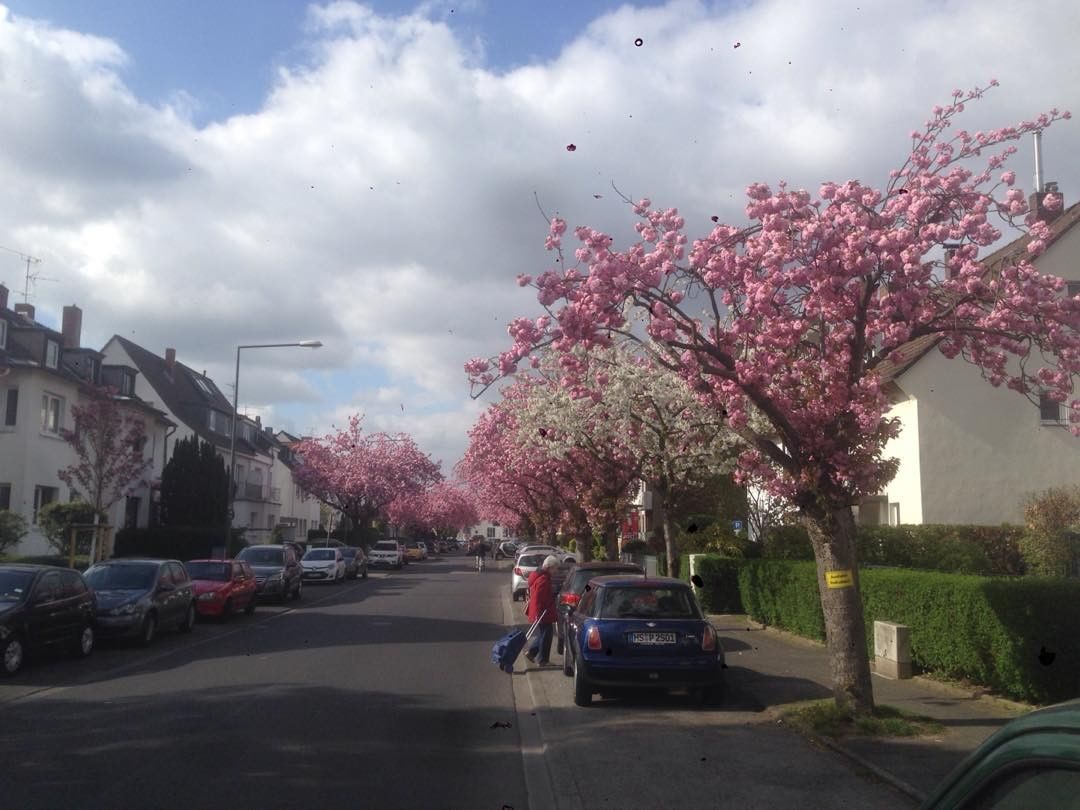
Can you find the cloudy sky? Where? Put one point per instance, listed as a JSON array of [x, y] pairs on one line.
[[200, 174]]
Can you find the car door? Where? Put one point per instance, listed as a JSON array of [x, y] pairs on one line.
[[77, 607], [292, 569], [45, 610], [184, 595], [164, 593]]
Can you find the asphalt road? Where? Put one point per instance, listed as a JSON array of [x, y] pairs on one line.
[[381, 694], [376, 693]]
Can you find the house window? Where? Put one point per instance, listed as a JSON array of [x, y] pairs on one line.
[[52, 354], [1049, 410], [131, 512], [270, 522], [43, 496], [218, 422], [127, 384], [506, 532], [491, 532], [3, 334], [11, 406], [1072, 289], [5, 496], [52, 410], [203, 386]]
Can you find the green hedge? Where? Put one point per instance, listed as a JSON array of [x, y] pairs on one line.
[[994, 631], [174, 542], [719, 591]]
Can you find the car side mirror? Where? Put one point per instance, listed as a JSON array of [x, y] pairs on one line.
[[697, 582]]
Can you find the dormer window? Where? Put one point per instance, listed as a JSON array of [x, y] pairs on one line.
[[127, 383], [52, 354], [203, 386]]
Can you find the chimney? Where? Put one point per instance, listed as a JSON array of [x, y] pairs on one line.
[[170, 360], [26, 310], [3, 296], [71, 328], [1038, 207]]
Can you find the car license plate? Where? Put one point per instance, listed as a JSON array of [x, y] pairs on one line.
[[652, 638]]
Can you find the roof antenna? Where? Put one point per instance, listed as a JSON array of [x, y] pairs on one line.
[[1038, 162]]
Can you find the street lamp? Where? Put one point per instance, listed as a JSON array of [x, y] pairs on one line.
[[306, 344]]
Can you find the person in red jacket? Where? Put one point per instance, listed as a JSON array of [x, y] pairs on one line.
[[542, 608]]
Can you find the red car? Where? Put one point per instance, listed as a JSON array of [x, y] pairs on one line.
[[222, 587]]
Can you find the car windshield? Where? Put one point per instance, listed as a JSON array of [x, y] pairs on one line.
[[214, 571], [122, 577], [649, 603], [531, 560], [14, 584], [263, 556], [320, 554]]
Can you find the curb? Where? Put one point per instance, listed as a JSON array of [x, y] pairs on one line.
[[878, 771]]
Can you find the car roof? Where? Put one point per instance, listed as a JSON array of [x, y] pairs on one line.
[[638, 582], [268, 545], [229, 560], [135, 561]]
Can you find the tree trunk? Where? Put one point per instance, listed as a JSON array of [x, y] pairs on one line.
[[667, 527], [611, 540], [584, 543], [833, 536]]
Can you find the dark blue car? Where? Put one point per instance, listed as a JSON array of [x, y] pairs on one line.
[[632, 632]]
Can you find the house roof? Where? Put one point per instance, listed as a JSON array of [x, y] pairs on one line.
[[912, 351], [190, 396]]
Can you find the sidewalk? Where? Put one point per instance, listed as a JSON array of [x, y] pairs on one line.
[[774, 668]]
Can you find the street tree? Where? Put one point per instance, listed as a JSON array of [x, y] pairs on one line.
[[194, 485], [360, 474], [108, 439], [793, 315]]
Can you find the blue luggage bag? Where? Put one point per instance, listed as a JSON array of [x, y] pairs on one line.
[[507, 649]]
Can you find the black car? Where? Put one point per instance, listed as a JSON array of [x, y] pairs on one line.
[[138, 597], [355, 562], [43, 607], [278, 574], [574, 586]]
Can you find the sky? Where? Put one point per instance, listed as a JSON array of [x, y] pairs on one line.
[[204, 174]]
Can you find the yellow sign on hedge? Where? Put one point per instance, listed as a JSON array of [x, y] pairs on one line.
[[839, 579]]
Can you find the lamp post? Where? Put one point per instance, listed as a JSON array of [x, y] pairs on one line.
[[307, 344]]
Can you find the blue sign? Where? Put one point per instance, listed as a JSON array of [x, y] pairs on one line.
[[736, 525]]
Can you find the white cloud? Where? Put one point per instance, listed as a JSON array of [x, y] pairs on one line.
[[382, 198]]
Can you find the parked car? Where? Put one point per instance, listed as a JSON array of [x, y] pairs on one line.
[[43, 607], [323, 565], [507, 548], [629, 631], [386, 553], [416, 551], [574, 586], [222, 587], [356, 562], [1032, 761], [277, 571], [139, 597]]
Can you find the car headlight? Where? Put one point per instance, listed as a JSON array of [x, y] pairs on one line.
[[209, 596], [278, 577]]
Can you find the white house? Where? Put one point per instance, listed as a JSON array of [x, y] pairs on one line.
[[299, 510], [43, 373], [969, 452], [264, 493]]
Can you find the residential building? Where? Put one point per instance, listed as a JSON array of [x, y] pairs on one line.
[[263, 493], [299, 510], [969, 452], [43, 373]]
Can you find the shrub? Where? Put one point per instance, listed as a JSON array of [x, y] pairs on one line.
[[1051, 546], [787, 543], [719, 591], [1012, 634], [635, 547], [56, 519], [175, 542], [12, 529]]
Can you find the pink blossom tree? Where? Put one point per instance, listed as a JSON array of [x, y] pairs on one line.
[[360, 474], [108, 439], [793, 315]]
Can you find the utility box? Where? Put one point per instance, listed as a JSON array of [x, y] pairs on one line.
[[892, 650]]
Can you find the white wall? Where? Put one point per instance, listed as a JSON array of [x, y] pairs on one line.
[[906, 488]]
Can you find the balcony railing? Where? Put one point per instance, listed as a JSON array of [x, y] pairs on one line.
[[258, 492]]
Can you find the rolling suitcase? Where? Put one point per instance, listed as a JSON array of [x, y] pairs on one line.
[[507, 649]]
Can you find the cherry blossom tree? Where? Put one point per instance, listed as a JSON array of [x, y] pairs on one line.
[[360, 474], [443, 510], [108, 440], [674, 441], [794, 314]]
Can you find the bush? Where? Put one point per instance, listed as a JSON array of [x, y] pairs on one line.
[[175, 542], [787, 543], [719, 591], [56, 519], [12, 529], [1011, 634], [635, 547], [1051, 545]]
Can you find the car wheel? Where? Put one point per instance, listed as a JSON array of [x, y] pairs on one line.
[[84, 642], [149, 630], [582, 688], [250, 606], [12, 653], [189, 619]]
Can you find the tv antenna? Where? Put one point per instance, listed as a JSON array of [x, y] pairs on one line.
[[31, 276]]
